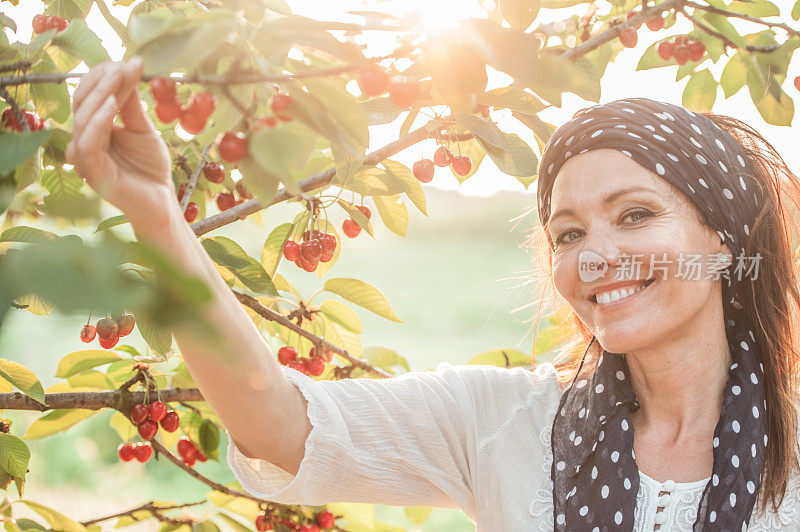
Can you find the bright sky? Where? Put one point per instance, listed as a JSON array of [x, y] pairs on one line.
[[620, 80]]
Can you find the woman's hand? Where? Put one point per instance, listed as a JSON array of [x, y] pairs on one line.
[[128, 165]]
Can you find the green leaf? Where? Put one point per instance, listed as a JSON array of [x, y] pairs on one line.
[[272, 250], [418, 515], [23, 378], [357, 216], [79, 361], [62, 185], [501, 357], [480, 127], [22, 233], [754, 8], [796, 11], [519, 13], [14, 455], [512, 98], [81, 42], [700, 92], [16, 148], [343, 107], [380, 111], [384, 358], [734, 76], [283, 151], [208, 436], [69, 9], [341, 314], [111, 222], [393, 212], [56, 421], [51, 99], [255, 278], [473, 149], [56, 520], [226, 252], [363, 294], [158, 338], [409, 184], [517, 160], [723, 25], [123, 426]]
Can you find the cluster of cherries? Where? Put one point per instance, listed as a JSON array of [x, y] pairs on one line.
[[324, 520], [313, 364], [9, 121], [316, 247], [375, 82], [147, 419], [141, 450], [193, 117], [682, 49], [350, 227], [423, 169], [108, 330], [214, 172], [628, 37], [42, 23], [189, 452]]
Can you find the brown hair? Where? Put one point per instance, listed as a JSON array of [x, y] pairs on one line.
[[772, 302]]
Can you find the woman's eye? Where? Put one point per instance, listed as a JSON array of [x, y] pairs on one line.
[[562, 240], [638, 215]]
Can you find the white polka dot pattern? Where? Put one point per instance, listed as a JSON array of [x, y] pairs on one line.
[[594, 473]]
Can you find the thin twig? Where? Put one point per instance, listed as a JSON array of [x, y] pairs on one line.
[[150, 506], [187, 194], [725, 12]]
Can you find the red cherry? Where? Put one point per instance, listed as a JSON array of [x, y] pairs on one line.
[[139, 413], [167, 112], [192, 120], [158, 409], [147, 429], [225, 201], [181, 191], [364, 210], [423, 170], [628, 37], [633, 14], [9, 120], [315, 366], [351, 228], [262, 523], [185, 448], [316, 234], [326, 519], [328, 243], [373, 82], [39, 24], [319, 352], [280, 102], [404, 93], [681, 39], [665, 50], [171, 421], [696, 50], [442, 156], [163, 90], [204, 103], [125, 324], [214, 172], [191, 211], [462, 165], [242, 191], [291, 250], [190, 460], [125, 452], [199, 455], [682, 54], [309, 528], [268, 122], [57, 23], [107, 328], [655, 24], [88, 333], [108, 344], [286, 354], [307, 265], [142, 451], [34, 124], [325, 257], [232, 146], [297, 364], [797, 83], [311, 250]]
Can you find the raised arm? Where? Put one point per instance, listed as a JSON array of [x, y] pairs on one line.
[[130, 166]]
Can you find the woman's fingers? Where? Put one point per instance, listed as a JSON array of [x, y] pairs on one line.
[[94, 142], [108, 85], [130, 110], [88, 82]]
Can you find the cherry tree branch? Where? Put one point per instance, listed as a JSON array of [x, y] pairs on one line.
[[725, 12], [151, 507], [117, 399], [262, 310], [187, 193]]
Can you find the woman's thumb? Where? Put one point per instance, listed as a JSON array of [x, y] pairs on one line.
[[130, 110]]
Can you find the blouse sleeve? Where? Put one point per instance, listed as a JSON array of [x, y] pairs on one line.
[[402, 441]]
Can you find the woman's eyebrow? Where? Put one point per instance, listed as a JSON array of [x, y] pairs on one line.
[[605, 199]]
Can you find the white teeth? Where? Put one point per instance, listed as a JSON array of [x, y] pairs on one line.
[[614, 295]]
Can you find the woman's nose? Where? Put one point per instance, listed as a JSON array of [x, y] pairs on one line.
[[604, 244]]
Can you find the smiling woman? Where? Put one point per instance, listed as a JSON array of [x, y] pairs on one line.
[[692, 361]]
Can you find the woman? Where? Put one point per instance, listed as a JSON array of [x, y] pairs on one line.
[[479, 438]]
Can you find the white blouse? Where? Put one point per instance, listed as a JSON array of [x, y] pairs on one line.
[[471, 437]]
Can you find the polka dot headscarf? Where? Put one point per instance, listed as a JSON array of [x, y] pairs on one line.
[[594, 472]]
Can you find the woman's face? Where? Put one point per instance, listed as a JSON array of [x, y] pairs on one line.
[[604, 201]]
